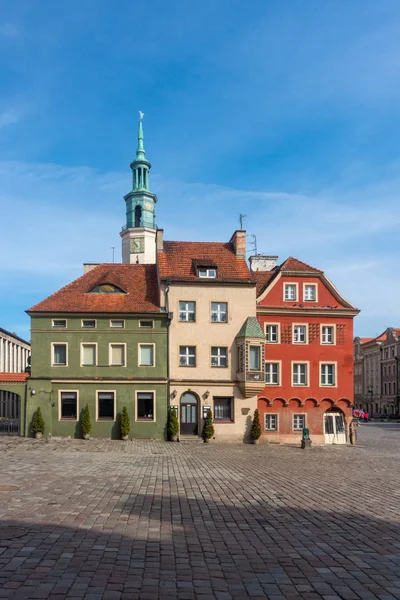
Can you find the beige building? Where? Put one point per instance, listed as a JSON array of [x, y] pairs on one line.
[[14, 352], [216, 345], [368, 374]]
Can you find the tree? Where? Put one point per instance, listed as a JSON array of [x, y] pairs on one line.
[[172, 425], [208, 427], [255, 431], [37, 421], [125, 422], [86, 423]]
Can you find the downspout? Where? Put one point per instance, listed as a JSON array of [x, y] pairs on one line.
[[169, 318]]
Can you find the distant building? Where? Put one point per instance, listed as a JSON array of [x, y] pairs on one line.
[[14, 352]]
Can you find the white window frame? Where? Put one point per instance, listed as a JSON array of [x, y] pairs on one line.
[[59, 326], [296, 286], [141, 420], [303, 416], [154, 354], [117, 321], [276, 416], [147, 321], [186, 311], [335, 374], [207, 273], [315, 286], [259, 357], [96, 357], [53, 364], [301, 362], [77, 405], [218, 356], [333, 327], [110, 345], [106, 420], [86, 327], [274, 362], [218, 312], [305, 325], [187, 355], [278, 332]]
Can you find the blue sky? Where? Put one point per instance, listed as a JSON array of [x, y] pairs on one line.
[[288, 112]]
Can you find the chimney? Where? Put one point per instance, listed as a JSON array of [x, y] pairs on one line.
[[160, 240], [239, 243], [262, 263], [88, 267]]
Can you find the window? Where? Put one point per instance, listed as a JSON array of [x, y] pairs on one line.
[[117, 323], [62, 323], [88, 355], [219, 356], [145, 406], [299, 422], [146, 324], [299, 374], [187, 311], [272, 373], [207, 273], [106, 406], [107, 288], [310, 292], [290, 291], [68, 409], [300, 334], [272, 333], [60, 355], [219, 312], [117, 355], [255, 358], [146, 355], [327, 334], [88, 323], [187, 356], [328, 374], [223, 409], [271, 422]]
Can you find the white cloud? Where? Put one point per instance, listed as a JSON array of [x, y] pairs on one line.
[[9, 117]]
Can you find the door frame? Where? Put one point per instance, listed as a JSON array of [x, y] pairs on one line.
[[335, 438], [197, 412]]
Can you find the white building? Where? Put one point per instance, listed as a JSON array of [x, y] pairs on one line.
[[14, 352]]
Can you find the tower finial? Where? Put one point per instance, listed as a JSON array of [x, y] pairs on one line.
[[140, 153]]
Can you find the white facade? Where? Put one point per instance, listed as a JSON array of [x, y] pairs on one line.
[[14, 353], [139, 246]]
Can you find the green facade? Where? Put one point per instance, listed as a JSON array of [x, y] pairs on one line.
[[48, 381]]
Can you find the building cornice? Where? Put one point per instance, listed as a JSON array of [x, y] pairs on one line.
[[317, 312]]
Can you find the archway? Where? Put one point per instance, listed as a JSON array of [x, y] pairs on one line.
[[189, 421], [10, 413], [334, 426]]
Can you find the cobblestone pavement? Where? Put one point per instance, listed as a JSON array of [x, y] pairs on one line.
[[105, 520]]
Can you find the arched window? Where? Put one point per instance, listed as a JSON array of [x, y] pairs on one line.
[[107, 288], [138, 216]]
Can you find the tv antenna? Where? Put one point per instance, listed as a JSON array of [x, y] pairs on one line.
[[253, 243], [241, 219], [113, 249]]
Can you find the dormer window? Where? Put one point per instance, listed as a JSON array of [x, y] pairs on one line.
[[107, 288], [207, 273]]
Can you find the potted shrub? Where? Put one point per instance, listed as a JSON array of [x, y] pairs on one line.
[[172, 425], [38, 423], [125, 424], [255, 431], [208, 427], [86, 423]]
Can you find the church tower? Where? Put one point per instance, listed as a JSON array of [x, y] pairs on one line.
[[139, 233]]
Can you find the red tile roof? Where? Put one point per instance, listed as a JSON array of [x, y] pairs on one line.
[[293, 264], [365, 340], [138, 281], [263, 278], [14, 377], [178, 259]]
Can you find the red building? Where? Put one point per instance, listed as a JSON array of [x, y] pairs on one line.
[[308, 353]]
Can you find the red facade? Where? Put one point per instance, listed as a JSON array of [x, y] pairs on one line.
[[308, 355]]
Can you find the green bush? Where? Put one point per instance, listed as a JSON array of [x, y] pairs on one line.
[[208, 427], [255, 431], [38, 421], [86, 423], [173, 424], [125, 422]]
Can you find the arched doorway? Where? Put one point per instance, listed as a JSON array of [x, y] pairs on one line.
[[334, 426], [10, 412], [189, 414]]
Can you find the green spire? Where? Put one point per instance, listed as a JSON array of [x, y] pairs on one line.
[[140, 153]]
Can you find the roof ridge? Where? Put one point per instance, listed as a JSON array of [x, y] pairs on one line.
[[299, 261]]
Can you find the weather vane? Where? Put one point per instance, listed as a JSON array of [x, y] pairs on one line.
[[141, 115]]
